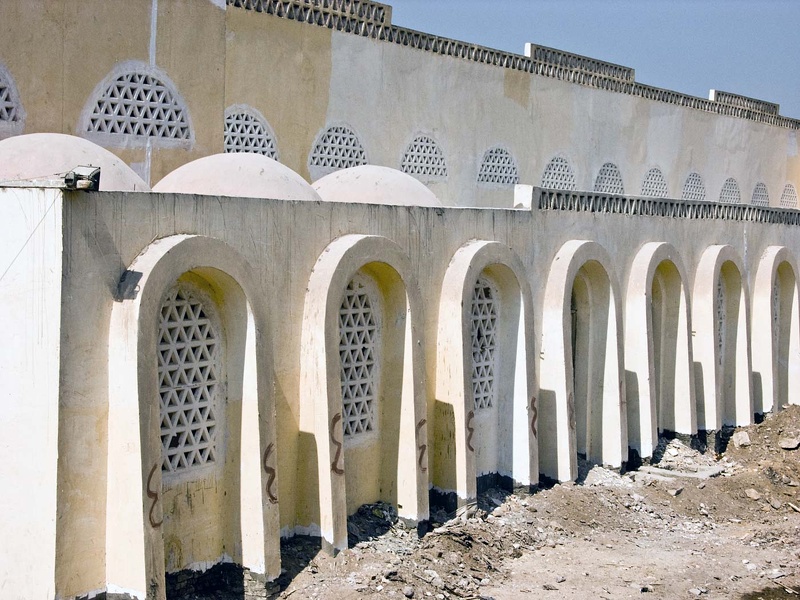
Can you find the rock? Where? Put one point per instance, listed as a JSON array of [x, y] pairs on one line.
[[789, 443], [647, 588], [675, 492], [741, 439], [560, 579], [775, 574], [408, 591], [776, 504], [550, 587], [752, 494]]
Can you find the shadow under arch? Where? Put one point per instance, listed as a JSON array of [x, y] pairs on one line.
[[776, 331], [502, 441], [134, 538], [321, 401], [581, 357], [720, 308], [658, 352]]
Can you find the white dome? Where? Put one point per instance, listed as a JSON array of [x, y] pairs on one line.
[[40, 156], [370, 184], [238, 174]]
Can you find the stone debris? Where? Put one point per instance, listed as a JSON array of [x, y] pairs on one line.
[[752, 494], [741, 439], [789, 443]]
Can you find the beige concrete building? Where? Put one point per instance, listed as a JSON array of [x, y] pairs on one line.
[[255, 348]]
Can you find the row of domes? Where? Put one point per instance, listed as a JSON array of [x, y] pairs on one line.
[[39, 156]]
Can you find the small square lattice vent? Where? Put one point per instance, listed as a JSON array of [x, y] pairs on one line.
[[424, 160], [789, 197], [484, 342], [693, 189], [609, 180], [760, 195], [359, 355], [245, 132], [188, 373], [730, 192], [498, 167], [558, 175], [654, 184]]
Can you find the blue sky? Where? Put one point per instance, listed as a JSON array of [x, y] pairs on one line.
[[749, 47]]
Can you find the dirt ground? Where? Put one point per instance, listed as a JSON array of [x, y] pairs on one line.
[[688, 525]]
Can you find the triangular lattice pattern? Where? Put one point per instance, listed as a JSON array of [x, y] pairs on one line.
[[654, 184], [693, 189], [498, 167], [9, 111], [338, 148], [245, 132], [188, 374], [730, 192], [760, 195], [484, 342], [789, 197], [558, 175], [138, 104], [358, 353], [609, 180], [424, 159]]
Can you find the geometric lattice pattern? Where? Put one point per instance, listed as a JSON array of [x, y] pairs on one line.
[[730, 192], [789, 197], [246, 132], [338, 148], [424, 159], [188, 379], [694, 190], [138, 104], [609, 180], [776, 308], [654, 184], [721, 318], [9, 110], [358, 353], [498, 167], [558, 175], [760, 195], [484, 342]]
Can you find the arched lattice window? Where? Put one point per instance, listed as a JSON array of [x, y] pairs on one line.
[[558, 175], [424, 160], [338, 147], [485, 304], [246, 130], [654, 184], [138, 104], [11, 113], [730, 192], [693, 189], [789, 197], [189, 374], [359, 353], [760, 195], [609, 180], [498, 167]]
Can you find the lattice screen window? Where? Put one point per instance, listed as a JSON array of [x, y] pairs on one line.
[[558, 175], [485, 301], [189, 373], [424, 160], [694, 190], [789, 197], [9, 100], [247, 131], [721, 318], [654, 184], [359, 353], [760, 195], [498, 167], [338, 147], [730, 192], [609, 180], [139, 105]]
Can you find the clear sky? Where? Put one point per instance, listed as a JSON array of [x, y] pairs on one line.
[[748, 47]]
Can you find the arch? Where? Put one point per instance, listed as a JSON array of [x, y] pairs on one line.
[[776, 331], [789, 196], [512, 423], [404, 394], [558, 175], [246, 130], [694, 190], [424, 159], [609, 180], [587, 266], [720, 308], [658, 353], [730, 192], [337, 146], [498, 168], [654, 185], [135, 545], [136, 105], [12, 115], [760, 195]]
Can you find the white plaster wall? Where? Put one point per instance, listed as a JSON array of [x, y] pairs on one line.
[[30, 294]]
